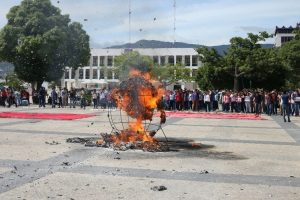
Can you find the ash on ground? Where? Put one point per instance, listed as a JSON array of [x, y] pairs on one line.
[[107, 141]]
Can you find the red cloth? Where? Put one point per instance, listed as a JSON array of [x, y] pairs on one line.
[[61, 116], [214, 115]]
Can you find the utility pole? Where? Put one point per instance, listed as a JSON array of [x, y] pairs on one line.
[[174, 27]]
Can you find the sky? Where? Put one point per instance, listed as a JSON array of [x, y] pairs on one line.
[[205, 22]]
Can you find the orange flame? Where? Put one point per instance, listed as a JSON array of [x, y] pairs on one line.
[[148, 98]]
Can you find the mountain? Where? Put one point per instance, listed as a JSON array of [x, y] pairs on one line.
[[160, 44], [155, 44]]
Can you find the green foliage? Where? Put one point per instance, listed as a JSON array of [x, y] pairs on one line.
[[171, 74], [132, 60], [290, 54], [41, 42], [13, 81], [245, 62]]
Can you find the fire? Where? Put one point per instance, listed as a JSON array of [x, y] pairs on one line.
[[138, 97]]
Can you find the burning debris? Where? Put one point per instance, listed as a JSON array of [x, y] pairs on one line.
[[137, 99]]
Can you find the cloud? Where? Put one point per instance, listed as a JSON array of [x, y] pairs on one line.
[[208, 22]]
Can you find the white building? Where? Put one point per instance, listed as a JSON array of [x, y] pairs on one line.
[[284, 34], [101, 70]]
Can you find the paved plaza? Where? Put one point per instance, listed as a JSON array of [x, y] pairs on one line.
[[237, 159]]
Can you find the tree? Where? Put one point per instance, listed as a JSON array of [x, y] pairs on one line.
[[167, 74], [241, 53], [41, 42], [13, 81], [132, 60], [290, 54], [212, 74], [171, 74], [245, 62]]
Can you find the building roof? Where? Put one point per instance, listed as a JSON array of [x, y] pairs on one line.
[[284, 29]]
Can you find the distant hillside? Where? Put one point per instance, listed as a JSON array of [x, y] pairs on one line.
[[160, 44]]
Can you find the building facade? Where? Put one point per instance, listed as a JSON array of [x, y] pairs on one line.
[[284, 34], [101, 71]]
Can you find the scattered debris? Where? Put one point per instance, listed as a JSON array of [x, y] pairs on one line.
[[203, 172], [15, 168], [52, 143], [159, 188], [66, 164]]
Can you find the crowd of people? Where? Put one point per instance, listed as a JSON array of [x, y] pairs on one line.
[[245, 101], [63, 98]]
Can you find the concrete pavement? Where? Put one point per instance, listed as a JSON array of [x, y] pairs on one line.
[[238, 159]]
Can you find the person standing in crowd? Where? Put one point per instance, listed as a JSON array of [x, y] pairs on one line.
[[190, 100], [53, 97], [195, 100], [275, 100], [4, 97], [212, 100], [82, 98], [207, 101], [59, 97], [226, 102], [285, 99], [24, 97], [233, 102], [179, 99], [172, 100], [64, 96], [258, 100], [239, 103], [297, 102], [72, 96], [185, 99], [42, 96], [248, 102], [95, 99]]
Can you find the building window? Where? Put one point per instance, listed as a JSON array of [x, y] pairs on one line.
[[87, 73], [95, 73], [73, 72], [109, 74], [67, 74], [162, 60], [187, 60], [102, 60], [102, 73], [80, 73], [194, 60], [109, 61], [286, 39], [179, 60], [95, 60], [155, 59], [171, 60]]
